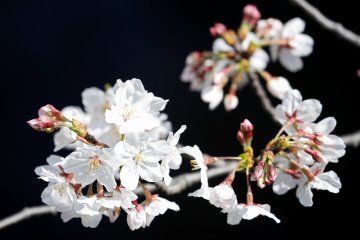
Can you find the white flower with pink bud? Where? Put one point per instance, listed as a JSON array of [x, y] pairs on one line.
[[121, 197]]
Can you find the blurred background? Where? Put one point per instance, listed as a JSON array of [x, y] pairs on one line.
[[52, 50]]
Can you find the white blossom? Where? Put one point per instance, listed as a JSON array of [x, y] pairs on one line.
[[93, 163], [158, 206], [140, 158], [51, 173], [248, 212], [195, 152], [223, 196], [136, 218], [135, 109], [60, 195], [278, 86], [299, 45], [321, 181], [173, 159], [161, 132], [87, 209], [299, 111], [120, 198]]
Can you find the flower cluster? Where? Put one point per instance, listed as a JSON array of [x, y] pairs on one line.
[[118, 142], [295, 157], [237, 55]]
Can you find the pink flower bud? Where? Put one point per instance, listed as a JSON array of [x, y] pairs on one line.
[[272, 173], [218, 29], [316, 155], [246, 127], [240, 137], [50, 111], [251, 14], [259, 171], [42, 123]]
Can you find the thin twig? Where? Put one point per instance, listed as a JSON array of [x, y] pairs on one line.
[[27, 212], [327, 23], [262, 95], [352, 139]]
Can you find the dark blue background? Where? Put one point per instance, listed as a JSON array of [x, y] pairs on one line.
[[52, 50]]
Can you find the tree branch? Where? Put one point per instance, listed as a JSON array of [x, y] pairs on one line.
[[327, 23], [352, 139], [27, 212], [262, 95]]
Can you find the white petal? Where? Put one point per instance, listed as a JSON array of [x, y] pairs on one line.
[[220, 45], [301, 45], [213, 95], [289, 61], [325, 126], [129, 176], [259, 59], [63, 138], [235, 215], [283, 183], [291, 101], [304, 194], [309, 110], [150, 172], [293, 27], [278, 87]]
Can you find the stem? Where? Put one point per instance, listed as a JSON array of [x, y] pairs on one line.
[[211, 160], [249, 194]]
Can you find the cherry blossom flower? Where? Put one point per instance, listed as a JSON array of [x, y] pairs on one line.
[[298, 111], [198, 163], [158, 206], [136, 217], [61, 195], [319, 180], [88, 209], [298, 45], [173, 159], [134, 109], [248, 212], [120, 198], [93, 163], [223, 196], [140, 158]]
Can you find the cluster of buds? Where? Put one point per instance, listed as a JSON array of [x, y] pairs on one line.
[[295, 157], [237, 55], [120, 141]]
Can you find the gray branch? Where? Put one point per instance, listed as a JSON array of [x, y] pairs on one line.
[[262, 95], [27, 212], [352, 139], [327, 23]]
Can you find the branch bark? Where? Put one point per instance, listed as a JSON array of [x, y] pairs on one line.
[[352, 139], [265, 100], [327, 23]]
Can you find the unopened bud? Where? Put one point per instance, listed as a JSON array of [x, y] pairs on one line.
[[240, 137], [49, 111], [247, 128], [218, 30], [251, 14], [43, 123]]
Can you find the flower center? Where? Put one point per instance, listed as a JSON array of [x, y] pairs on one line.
[[137, 158], [128, 113], [60, 189], [94, 164]]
